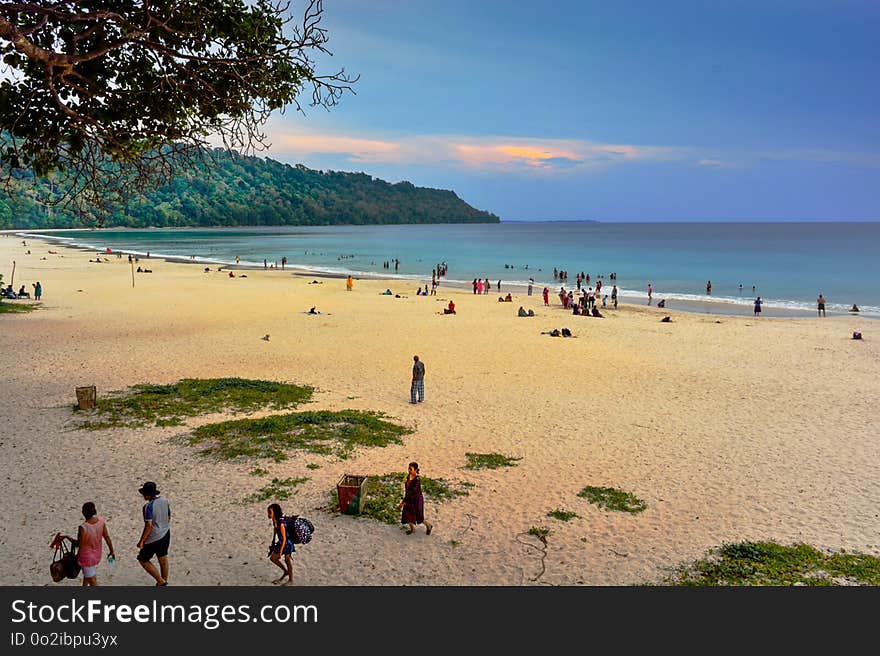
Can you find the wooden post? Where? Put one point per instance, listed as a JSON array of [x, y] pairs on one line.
[[132, 272], [12, 282]]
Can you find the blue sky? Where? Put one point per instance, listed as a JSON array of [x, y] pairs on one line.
[[614, 111]]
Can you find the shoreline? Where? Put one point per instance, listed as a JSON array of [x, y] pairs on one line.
[[674, 302]]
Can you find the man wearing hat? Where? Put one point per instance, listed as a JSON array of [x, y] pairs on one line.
[[157, 533]]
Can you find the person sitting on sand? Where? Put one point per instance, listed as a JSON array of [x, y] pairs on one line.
[[231, 274], [387, 292], [521, 312], [450, 309], [139, 270], [508, 298], [316, 282], [661, 303], [576, 309], [854, 308], [666, 320], [313, 311], [596, 313]]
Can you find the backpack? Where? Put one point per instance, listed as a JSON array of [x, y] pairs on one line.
[[299, 529]]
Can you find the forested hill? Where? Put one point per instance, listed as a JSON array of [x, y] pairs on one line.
[[250, 191]]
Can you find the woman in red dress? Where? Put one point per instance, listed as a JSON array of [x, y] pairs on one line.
[[413, 503]]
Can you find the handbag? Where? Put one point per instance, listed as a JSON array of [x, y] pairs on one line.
[[64, 562]]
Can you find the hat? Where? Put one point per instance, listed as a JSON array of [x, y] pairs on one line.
[[149, 489]]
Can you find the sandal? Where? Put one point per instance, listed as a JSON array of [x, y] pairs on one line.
[[428, 530]]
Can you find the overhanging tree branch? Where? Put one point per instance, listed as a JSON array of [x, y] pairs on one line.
[[132, 89]]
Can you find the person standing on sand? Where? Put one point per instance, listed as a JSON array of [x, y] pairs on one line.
[[650, 292], [475, 285], [614, 296], [758, 303], [157, 533], [38, 290], [820, 304], [413, 503], [531, 282], [349, 283], [486, 286], [282, 544], [546, 294], [418, 381]]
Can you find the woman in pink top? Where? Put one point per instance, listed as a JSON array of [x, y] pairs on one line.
[[479, 286], [88, 538]]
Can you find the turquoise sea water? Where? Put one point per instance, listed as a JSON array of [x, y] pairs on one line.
[[788, 263]]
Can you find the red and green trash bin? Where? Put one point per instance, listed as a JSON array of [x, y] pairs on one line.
[[352, 493]]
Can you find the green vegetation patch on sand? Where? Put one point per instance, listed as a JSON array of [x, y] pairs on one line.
[[562, 515], [167, 405], [385, 492], [279, 489], [17, 308], [769, 563], [610, 498], [489, 461], [540, 532], [320, 431]]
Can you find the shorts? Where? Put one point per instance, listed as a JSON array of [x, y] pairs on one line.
[[89, 572], [158, 548], [288, 548]]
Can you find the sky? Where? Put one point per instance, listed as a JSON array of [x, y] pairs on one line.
[[724, 110]]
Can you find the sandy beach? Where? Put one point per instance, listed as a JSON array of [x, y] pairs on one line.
[[730, 428]]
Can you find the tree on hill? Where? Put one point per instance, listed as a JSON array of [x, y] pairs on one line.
[[114, 95], [247, 191]]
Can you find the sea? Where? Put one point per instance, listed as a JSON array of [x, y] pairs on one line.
[[787, 264]]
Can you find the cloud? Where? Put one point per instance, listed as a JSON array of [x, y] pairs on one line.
[[499, 153], [528, 155]]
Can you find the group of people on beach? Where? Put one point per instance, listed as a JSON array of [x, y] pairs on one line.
[[11, 294], [483, 286], [154, 541], [155, 537]]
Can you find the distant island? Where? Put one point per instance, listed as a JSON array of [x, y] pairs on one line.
[[253, 191]]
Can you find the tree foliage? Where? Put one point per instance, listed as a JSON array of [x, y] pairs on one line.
[[248, 191], [110, 94]]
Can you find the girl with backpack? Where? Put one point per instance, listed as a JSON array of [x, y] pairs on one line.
[[282, 544]]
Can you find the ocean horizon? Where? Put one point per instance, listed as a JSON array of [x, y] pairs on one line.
[[788, 263]]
